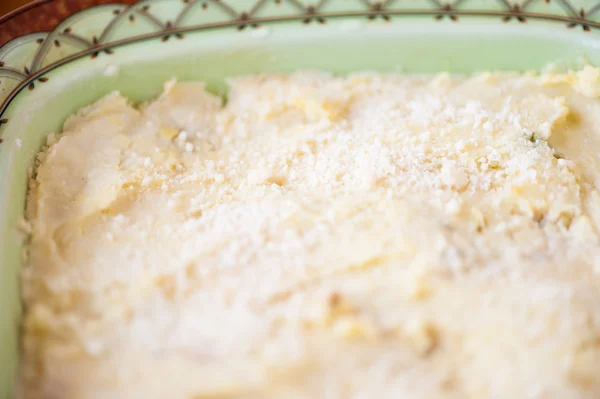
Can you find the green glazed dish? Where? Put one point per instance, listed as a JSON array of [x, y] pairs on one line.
[[46, 76]]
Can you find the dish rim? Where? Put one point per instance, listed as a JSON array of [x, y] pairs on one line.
[[306, 13]]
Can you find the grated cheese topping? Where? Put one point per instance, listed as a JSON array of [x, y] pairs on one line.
[[369, 236]]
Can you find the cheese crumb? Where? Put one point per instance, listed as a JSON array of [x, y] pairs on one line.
[[453, 176], [169, 132], [422, 335]]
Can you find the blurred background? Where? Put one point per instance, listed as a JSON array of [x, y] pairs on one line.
[[8, 5]]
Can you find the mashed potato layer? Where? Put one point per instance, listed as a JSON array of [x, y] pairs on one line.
[[369, 236]]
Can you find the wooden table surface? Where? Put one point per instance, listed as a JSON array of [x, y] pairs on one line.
[[8, 5]]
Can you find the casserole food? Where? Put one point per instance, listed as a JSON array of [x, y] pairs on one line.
[[244, 50], [435, 236]]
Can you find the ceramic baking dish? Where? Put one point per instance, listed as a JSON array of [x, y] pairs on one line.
[[59, 55]]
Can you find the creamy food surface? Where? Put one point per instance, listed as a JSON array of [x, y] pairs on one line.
[[369, 236]]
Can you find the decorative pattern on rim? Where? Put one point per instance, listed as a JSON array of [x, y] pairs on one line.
[[98, 30]]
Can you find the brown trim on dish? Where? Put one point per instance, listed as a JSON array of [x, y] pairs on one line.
[[306, 14], [237, 23]]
